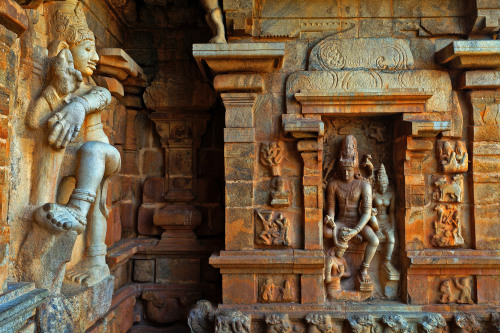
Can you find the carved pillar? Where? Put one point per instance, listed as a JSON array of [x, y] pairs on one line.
[[239, 70], [480, 84], [180, 134]]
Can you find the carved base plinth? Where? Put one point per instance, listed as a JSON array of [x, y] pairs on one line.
[[75, 309], [178, 221]]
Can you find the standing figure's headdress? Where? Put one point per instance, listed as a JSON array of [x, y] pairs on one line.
[[68, 26], [382, 175], [349, 152]]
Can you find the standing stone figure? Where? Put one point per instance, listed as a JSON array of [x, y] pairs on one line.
[[353, 198], [383, 202], [73, 157], [215, 20]]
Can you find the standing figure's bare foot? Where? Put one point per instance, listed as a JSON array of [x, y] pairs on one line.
[[61, 218], [391, 272], [86, 274], [364, 280]]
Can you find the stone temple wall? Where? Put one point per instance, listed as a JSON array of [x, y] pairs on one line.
[[249, 166]]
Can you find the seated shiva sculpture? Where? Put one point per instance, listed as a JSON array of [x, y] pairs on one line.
[[73, 157], [351, 196]]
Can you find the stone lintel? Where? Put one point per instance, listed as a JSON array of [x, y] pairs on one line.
[[470, 54], [362, 102], [454, 259], [262, 261], [476, 80], [239, 57], [13, 17], [117, 63]]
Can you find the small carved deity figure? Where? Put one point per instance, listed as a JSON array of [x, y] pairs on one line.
[[447, 227], [383, 202], [279, 196], [336, 266], [73, 158], [445, 290], [275, 229], [215, 20], [286, 291], [267, 291], [453, 160], [353, 197], [464, 285]]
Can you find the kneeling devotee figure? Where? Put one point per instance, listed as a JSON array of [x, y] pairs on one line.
[[352, 197]]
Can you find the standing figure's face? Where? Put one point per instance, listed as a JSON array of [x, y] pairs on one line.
[[85, 57], [382, 187], [347, 173]]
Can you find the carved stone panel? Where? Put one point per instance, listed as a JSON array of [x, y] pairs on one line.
[[272, 228], [456, 290], [278, 289], [452, 156]]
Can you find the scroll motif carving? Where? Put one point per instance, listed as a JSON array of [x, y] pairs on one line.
[[456, 290], [449, 191], [432, 323], [381, 53], [452, 157], [275, 228], [447, 227], [201, 317]]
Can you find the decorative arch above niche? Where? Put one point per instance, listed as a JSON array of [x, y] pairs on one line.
[[365, 77]]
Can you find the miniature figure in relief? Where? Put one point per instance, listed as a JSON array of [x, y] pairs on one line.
[[353, 197], [336, 266], [452, 160], [447, 227]]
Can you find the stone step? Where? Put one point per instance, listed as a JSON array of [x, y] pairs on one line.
[[15, 290], [15, 312]]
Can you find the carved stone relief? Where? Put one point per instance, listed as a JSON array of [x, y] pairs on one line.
[[395, 324], [466, 323], [363, 324], [432, 323], [452, 156], [321, 323], [279, 323], [271, 155], [383, 53], [449, 190], [456, 290], [72, 147], [215, 20], [447, 227], [273, 290], [231, 321], [275, 228]]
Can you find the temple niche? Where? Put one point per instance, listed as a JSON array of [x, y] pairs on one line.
[[249, 166]]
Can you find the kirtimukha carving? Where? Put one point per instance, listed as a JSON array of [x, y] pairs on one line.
[[456, 290], [450, 192], [452, 159], [354, 197], [321, 323], [447, 227], [466, 323], [364, 324], [432, 323], [275, 229], [395, 324], [384, 207], [73, 158], [215, 20], [278, 323], [231, 321], [270, 292]]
